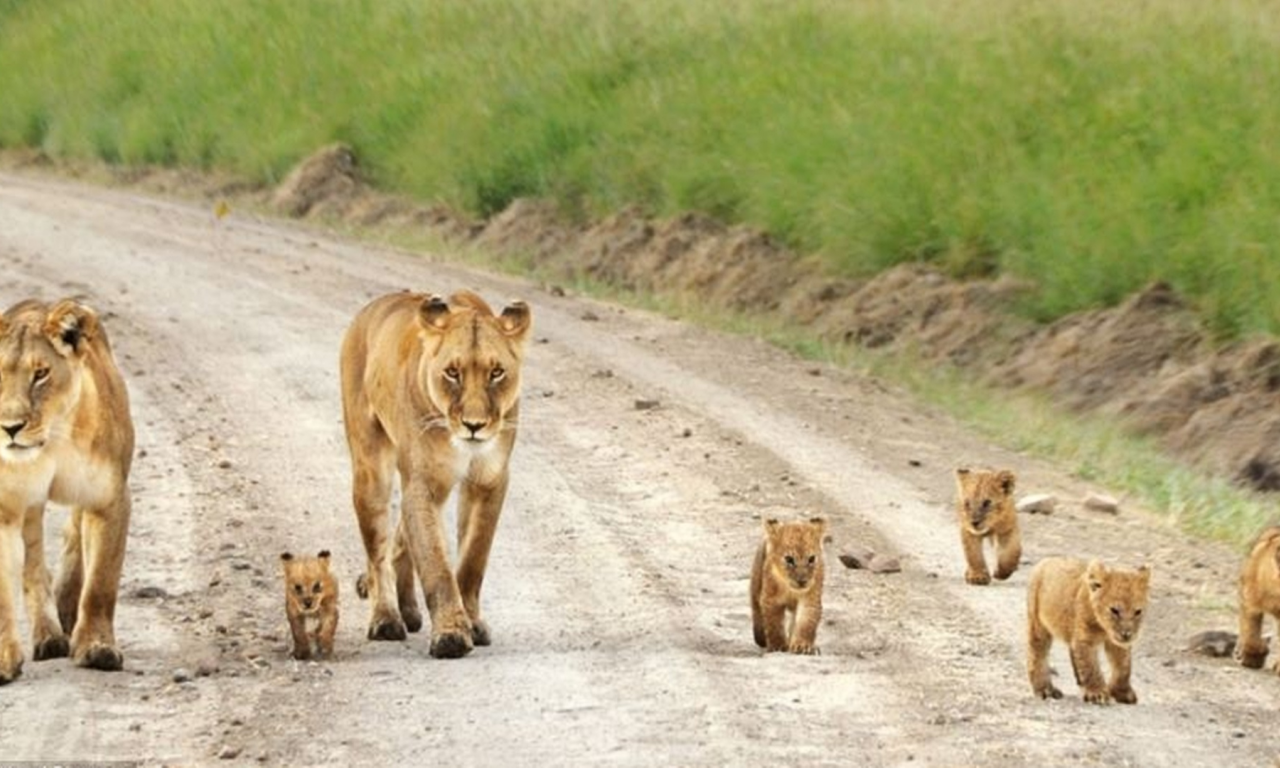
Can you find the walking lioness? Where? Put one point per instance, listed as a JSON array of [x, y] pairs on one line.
[[430, 389], [65, 436]]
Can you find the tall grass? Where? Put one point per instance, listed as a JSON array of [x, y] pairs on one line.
[[1089, 145]]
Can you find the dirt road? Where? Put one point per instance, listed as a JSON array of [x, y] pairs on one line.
[[618, 587]]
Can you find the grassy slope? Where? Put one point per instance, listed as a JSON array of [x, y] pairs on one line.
[[1088, 144]]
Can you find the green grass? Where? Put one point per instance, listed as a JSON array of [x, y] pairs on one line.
[[1089, 145]]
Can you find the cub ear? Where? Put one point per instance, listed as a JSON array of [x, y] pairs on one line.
[[1096, 574], [434, 312], [286, 556], [69, 326], [1006, 480], [771, 525], [820, 522], [963, 477], [1144, 573], [516, 320], [324, 554]]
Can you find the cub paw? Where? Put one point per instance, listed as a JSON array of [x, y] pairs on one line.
[[52, 648], [804, 649], [1048, 691], [1097, 696], [362, 586], [387, 629], [302, 653], [100, 656], [1001, 574], [480, 633], [980, 578], [451, 645], [10, 663], [1124, 695]]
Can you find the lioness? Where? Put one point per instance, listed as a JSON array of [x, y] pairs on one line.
[[65, 436], [1259, 597], [430, 388]]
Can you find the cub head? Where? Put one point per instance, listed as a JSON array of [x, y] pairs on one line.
[[985, 495], [306, 580], [472, 365], [42, 352], [1118, 598], [794, 550]]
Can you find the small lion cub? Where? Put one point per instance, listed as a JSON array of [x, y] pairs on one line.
[[786, 586], [1259, 596], [311, 603], [1085, 606], [986, 509]]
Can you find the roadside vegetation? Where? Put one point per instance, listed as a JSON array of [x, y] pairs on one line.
[[1088, 145]]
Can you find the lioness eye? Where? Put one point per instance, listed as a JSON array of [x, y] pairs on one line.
[[497, 373], [40, 375], [451, 373]]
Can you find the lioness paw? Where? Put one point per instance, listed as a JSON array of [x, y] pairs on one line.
[[980, 578], [451, 645], [1097, 696], [387, 629], [1048, 691], [100, 656], [1124, 695], [52, 648], [807, 649], [10, 662]]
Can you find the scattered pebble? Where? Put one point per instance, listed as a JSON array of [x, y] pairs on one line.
[[181, 675], [1038, 504], [857, 557], [884, 564], [228, 753], [555, 290], [590, 316], [207, 668], [1213, 643], [149, 592], [686, 432], [224, 464], [1101, 502], [647, 405], [915, 463]]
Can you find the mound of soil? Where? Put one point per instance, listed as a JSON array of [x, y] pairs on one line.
[[1148, 361]]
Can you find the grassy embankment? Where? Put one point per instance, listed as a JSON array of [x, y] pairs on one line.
[[1090, 146]]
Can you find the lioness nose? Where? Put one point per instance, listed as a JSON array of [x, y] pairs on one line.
[[13, 427], [473, 426]]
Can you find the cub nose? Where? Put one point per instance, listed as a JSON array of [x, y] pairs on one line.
[[306, 602], [12, 428], [473, 426]]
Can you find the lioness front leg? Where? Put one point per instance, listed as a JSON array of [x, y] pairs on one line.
[[976, 572], [450, 626], [478, 510], [93, 641], [1008, 553], [371, 492], [48, 641], [10, 546], [70, 573]]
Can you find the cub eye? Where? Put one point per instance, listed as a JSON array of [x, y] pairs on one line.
[[791, 561], [986, 505], [316, 588], [1137, 612], [1115, 611], [40, 375], [812, 559], [498, 373], [297, 588], [452, 373]]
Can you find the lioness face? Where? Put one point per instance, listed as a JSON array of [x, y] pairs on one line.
[[40, 364], [983, 494], [795, 550], [1119, 598], [473, 376]]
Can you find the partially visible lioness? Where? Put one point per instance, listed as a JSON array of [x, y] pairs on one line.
[[65, 436], [985, 509], [1259, 596], [786, 586], [430, 389], [1085, 606]]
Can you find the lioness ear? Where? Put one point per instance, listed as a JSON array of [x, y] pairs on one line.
[[434, 312], [324, 554], [516, 319], [1006, 479], [69, 326], [1096, 574]]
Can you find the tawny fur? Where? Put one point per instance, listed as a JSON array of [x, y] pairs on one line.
[[786, 586], [430, 391], [1259, 597], [1085, 606], [311, 603], [67, 438], [985, 509]]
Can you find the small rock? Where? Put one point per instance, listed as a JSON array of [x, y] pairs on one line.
[[686, 432], [814, 371], [224, 464], [181, 675], [207, 667], [1213, 643], [149, 592], [857, 557], [915, 463], [884, 564], [228, 753], [647, 405], [590, 316], [1038, 504], [555, 290], [603, 373], [1101, 502]]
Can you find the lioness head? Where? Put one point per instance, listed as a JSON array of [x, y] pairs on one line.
[[1118, 598], [794, 550], [472, 369], [306, 581], [41, 358], [984, 495]]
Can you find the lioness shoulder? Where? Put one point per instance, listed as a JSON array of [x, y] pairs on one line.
[[786, 586]]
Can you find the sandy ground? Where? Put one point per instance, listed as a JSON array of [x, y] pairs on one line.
[[618, 587]]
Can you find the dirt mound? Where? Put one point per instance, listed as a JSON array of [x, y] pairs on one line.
[[1147, 361]]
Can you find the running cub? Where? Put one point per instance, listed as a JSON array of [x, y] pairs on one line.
[[786, 586], [1085, 606], [986, 510], [1259, 596], [311, 602]]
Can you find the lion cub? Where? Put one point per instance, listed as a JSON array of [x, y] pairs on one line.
[[1259, 596], [1085, 606], [786, 586], [311, 602], [986, 510]]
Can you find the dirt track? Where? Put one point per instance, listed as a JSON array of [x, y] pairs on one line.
[[617, 591]]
